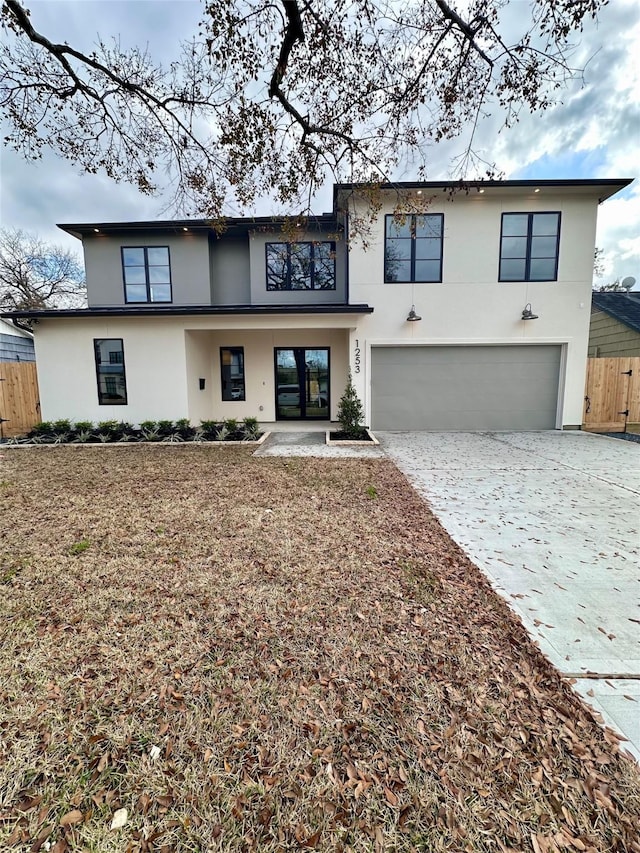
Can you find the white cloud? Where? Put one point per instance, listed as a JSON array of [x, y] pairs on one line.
[[619, 235]]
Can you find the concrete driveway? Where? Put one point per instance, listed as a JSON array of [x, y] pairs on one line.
[[553, 519]]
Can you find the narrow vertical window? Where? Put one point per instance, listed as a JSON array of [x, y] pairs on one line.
[[110, 374], [232, 369]]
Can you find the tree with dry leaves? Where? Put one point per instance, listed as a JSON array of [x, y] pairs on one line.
[[36, 274], [276, 97]]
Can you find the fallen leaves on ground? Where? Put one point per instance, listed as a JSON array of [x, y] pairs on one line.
[[253, 655]]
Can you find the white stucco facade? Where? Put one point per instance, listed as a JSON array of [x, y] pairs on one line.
[[471, 306], [165, 358], [172, 355]]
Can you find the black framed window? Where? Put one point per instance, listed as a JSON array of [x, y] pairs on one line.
[[413, 247], [147, 273], [301, 266], [232, 373], [529, 246], [110, 373]]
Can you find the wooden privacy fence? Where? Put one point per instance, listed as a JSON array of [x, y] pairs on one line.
[[612, 394], [19, 397]]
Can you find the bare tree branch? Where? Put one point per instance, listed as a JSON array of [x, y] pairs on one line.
[[35, 274], [272, 98]]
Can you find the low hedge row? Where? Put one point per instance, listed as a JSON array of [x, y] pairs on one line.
[[106, 432]]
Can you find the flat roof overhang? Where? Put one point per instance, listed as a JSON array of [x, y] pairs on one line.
[[188, 311], [216, 228], [601, 188]]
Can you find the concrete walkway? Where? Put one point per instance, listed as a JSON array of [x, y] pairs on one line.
[[290, 439], [552, 518]]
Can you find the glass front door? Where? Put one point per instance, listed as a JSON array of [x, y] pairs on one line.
[[302, 383]]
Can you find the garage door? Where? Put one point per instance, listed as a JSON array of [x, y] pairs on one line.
[[464, 388]]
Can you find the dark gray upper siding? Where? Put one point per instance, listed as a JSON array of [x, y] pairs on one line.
[[230, 271], [207, 268]]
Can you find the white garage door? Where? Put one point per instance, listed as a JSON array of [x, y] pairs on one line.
[[465, 388]]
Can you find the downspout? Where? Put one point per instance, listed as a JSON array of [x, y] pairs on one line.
[[16, 323]]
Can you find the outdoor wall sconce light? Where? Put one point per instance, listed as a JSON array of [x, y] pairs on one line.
[[201, 382], [527, 313], [412, 317]]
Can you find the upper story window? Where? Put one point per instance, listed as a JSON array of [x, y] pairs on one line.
[[147, 273], [301, 266], [529, 246], [413, 247]]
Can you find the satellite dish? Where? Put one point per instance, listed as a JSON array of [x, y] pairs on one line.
[[627, 283]]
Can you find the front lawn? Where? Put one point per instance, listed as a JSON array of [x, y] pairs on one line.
[[273, 655]]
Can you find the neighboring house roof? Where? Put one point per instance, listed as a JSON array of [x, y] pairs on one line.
[[621, 306], [8, 328]]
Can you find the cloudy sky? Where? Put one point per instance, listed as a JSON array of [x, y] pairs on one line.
[[593, 133]]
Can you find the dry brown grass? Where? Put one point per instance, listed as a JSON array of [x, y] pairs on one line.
[[271, 655]]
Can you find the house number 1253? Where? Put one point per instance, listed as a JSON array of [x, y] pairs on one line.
[[356, 357]]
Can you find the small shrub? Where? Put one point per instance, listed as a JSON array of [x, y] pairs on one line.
[[231, 424], [83, 426], [173, 437], [184, 429], [222, 432], [165, 427], [250, 429], [208, 430], [151, 432], [43, 428], [82, 436], [62, 427]]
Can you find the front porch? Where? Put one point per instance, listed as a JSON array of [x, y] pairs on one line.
[[284, 377]]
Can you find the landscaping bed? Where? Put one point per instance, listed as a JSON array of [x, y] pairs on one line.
[[360, 436], [121, 432], [212, 651]]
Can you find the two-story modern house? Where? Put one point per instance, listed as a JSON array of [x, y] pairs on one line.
[[464, 309]]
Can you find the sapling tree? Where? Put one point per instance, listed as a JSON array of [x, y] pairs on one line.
[[351, 412]]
